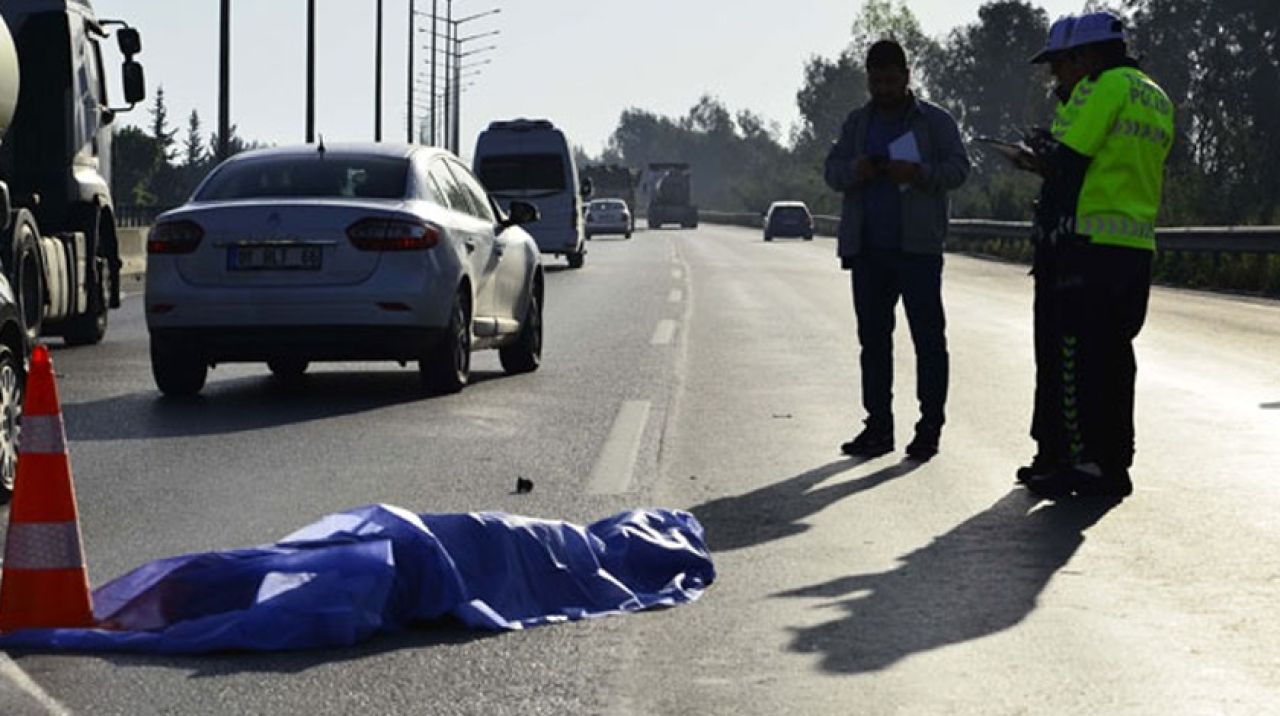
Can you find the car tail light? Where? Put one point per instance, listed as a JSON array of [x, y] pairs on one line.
[[392, 235], [174, 237]]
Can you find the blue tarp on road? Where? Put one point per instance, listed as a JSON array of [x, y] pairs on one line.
[[381, 569]]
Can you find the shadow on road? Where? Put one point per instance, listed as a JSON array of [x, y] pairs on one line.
[[427, 636], [980, 578], [244, 404], [776, 511]]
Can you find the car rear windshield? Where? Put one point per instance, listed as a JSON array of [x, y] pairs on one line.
[[523, 172], [309, 177], [790, 212], [610, 205]]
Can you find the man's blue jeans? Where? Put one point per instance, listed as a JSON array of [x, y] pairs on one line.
[[880, 277]]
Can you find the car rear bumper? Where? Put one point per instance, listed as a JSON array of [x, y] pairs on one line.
[[610, 227], [228, 344]]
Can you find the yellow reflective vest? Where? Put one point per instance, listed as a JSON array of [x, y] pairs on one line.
[[1123, 122]]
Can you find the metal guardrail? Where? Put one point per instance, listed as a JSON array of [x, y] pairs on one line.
[[1194, 239]]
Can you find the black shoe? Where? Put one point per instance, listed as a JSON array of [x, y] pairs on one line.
[[924, 446], [869, 443], [1082, 482], [1041, 464]]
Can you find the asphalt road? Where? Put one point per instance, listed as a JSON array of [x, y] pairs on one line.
[[707, 370]]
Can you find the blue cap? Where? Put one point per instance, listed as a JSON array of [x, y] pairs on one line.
[[1096, 27], [1058, 40]]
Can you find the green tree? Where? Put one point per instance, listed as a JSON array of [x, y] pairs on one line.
[[133, 160], [193, 147], [160, 131]]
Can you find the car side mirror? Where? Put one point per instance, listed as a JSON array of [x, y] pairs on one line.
[[521, 212]]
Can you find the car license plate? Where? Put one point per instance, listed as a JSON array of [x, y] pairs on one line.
[[274, 258]]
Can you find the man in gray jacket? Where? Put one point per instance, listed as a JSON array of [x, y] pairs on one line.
[[895, 161]]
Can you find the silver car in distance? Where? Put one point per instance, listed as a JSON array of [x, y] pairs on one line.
[[353, 252]]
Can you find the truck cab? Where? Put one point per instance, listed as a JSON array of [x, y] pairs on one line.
[[59, 246]]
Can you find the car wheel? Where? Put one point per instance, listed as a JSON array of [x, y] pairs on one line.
[[525, 355], [90, 328], [808, 237], [768, 237], [446, 367], [654, 225], [11, 389], [178, 371], [576, 260], [287, 368]]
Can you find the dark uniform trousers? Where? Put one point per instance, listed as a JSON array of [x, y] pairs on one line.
[[1047, 419], [880, 277], [1102, 304]]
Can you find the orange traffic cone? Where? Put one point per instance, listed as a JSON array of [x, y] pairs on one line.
[[45, 584]]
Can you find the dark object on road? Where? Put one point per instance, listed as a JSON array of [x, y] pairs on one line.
[[381, 569], [523, 486], [670, 196], [869, 443]]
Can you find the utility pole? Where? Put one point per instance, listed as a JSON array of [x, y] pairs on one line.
[[412, 39], [377, 80], [311, 71], [224, 83], [457, 91], [434, 66]]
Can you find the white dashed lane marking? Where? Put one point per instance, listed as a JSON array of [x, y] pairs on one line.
[[617, 461]]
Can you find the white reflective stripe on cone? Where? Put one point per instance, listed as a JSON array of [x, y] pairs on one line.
[[43, 545], [42, 435]]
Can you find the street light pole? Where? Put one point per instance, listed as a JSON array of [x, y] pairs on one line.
[[224, 83], [377, 80], [409, 120], [434, 55], [311, 71]]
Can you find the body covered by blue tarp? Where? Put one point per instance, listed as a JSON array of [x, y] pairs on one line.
[[381, 568]]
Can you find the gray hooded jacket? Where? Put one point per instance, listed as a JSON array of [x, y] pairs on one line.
[[925, 207]]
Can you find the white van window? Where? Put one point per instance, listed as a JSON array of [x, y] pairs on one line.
[[523, 172]]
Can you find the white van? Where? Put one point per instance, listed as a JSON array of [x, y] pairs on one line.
[[529, 160]]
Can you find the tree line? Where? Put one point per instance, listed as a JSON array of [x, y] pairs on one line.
[[1219, 63], [154, 167]]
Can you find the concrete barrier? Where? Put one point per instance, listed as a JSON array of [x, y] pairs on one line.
[[133, 255]]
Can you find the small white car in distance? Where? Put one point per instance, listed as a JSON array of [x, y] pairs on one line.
[[788, 218], [352, 252], [608, 216]]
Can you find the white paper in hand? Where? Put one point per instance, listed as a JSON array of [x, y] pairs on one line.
[[904, 149]]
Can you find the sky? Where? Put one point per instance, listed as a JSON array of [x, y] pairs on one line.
[[579, 63]]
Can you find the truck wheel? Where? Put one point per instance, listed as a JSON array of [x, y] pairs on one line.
[[11, 389], [178, 371], [26, 274], [446, 366], [90, 328], [576, 260], [525, 355]]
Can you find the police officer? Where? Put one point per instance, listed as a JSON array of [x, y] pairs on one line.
[[1046, 422], [1109, 145]]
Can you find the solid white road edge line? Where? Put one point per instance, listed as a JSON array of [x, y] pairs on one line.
[[664, 333], [10, 671], [612, 472]]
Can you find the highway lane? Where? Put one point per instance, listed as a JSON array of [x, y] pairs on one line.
[[726, 369]]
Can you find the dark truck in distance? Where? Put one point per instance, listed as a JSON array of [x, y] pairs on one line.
[[670, 195]]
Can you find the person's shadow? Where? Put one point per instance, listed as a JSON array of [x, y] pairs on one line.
[[980, 578], [777, 510]]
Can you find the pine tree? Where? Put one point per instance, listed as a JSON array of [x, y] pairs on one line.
[[194, 145], [160, 131]]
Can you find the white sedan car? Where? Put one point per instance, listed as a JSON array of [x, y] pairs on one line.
[[354, 252], [608, 216]]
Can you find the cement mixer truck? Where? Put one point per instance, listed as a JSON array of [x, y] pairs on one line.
[[58, 244]]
